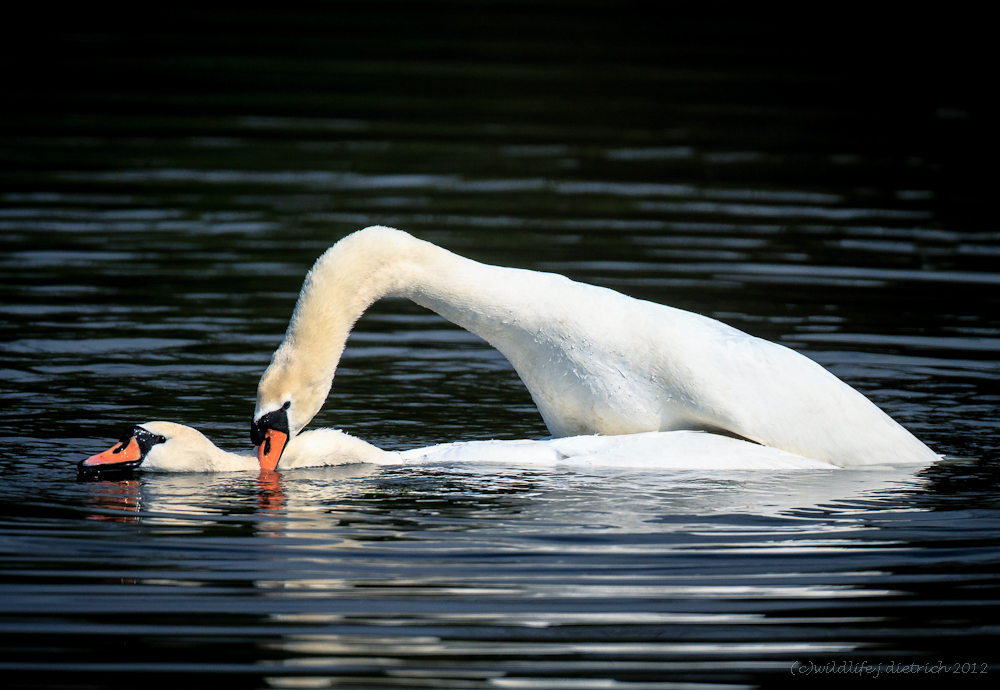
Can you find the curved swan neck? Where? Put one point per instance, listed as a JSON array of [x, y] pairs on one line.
[[382, 262], [346, 280], [521, 313]]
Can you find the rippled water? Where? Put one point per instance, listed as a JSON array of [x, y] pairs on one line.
[[156, 224]]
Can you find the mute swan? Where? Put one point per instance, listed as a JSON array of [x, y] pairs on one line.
[[595, 361], [169, 447]]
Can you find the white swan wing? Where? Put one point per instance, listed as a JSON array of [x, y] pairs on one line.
[[521, 452], [659, 450], [680, 450], [780, 398], [616, 365]]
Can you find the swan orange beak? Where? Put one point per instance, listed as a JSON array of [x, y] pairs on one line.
[[270, 433], [122, 452], [269, 451]]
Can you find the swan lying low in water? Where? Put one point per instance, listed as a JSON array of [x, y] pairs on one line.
[[595, 361], [169, 447]]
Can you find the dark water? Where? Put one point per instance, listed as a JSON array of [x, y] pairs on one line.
[[165, 186]]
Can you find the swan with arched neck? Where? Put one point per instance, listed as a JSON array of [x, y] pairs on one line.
[[595, 361]]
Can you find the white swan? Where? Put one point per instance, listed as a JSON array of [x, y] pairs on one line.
[[169, 447], [595, 361]]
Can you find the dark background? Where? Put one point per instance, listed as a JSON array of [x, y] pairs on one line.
[[885, 76]]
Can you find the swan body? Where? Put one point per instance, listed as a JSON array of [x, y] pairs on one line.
[[179, 448], [659, 450], [595, 361]]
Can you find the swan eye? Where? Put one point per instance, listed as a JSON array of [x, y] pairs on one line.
[[288, 403]]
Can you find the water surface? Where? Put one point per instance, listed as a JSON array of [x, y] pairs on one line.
[[157, 221]]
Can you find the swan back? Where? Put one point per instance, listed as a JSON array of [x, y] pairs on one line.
[[326, 447], [655, 450]]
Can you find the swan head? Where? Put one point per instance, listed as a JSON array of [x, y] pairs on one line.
[[163, 446], [289, 395]]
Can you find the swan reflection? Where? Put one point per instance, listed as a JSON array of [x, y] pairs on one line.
[[474, 494], [116, 501]]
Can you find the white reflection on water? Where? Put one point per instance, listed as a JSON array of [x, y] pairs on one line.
[[769, 211], [318, 645], [599, 499]]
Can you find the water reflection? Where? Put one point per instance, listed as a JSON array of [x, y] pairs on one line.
[[486, 491], [403, 572], [118, 501]]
